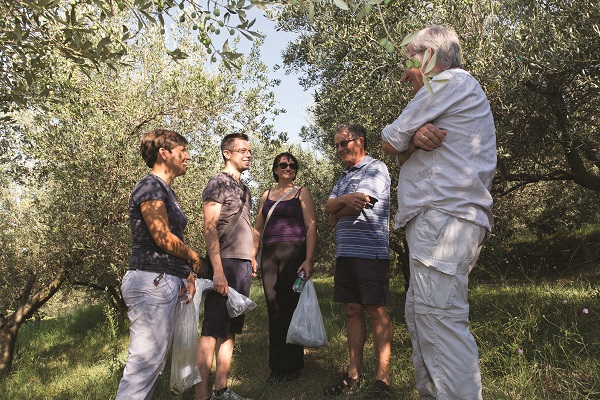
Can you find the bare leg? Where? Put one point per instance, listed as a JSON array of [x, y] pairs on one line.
[[206, 351], [382, 339], [357, 335], [224, 355]]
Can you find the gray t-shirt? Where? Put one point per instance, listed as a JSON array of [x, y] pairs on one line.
[[146, 255], [224, 189]]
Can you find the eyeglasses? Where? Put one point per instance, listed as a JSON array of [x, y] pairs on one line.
[[242, 151], [284, 165], [343, 143]]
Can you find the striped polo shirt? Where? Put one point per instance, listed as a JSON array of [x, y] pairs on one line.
[[365, 235]]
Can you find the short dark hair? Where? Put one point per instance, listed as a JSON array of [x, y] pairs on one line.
[[228, 140], [356, 130], [157, 139], [278, 158]]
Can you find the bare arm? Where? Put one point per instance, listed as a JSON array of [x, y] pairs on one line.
[[157, 221], [402, 157], [309, 213], [345, 205], [405, 155], [212, 211], [388, 148], [355, 202]]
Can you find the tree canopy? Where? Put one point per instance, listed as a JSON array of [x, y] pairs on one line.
[[78, 160], [538, 62], [38, 36], [81, 79]]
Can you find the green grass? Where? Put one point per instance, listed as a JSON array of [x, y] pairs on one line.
[[532, 345]]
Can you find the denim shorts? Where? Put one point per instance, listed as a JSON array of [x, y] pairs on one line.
[[361, 280]]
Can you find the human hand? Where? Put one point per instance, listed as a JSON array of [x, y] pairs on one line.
[[254, 267], [195, 265], [429, 137], [307, 266], [188, 289], [356, 201], [332, 220], [220, 284]]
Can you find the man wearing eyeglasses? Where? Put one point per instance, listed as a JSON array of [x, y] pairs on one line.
[[230, 252], [444, 201], [359, 206]]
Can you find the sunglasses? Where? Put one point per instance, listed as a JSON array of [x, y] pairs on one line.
[[284, 165]]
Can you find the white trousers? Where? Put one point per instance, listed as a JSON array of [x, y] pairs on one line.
[[151, 312], [443, 251]]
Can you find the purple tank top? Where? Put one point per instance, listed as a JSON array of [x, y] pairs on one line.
[[286, 223]]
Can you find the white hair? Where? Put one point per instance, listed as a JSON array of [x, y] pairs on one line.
[[444, 42]]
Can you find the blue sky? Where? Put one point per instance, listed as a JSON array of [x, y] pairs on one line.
[[289, 94]]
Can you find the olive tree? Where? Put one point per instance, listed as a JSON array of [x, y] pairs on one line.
[[538, 62], [80, 159], [92, 34]]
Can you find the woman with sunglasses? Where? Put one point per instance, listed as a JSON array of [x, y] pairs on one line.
[[286, 226]]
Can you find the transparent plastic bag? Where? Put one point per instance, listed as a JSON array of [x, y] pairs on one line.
[[306, 328], [238, 304], [184, 367], [202, 287]]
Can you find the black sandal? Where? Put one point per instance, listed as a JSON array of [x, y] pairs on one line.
[[380, 391], [337, 388], [274, 378], [290, 376]]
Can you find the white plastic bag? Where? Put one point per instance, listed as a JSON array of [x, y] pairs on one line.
[[306, 328], [184, 367], [237, 304], [202, 287]]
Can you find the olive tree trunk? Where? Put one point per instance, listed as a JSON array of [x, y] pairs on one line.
[[28, 304]]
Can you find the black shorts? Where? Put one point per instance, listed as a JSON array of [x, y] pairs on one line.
[[361, 280], [217, 322]]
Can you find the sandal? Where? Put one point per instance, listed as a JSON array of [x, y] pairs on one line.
[[290, 376], [337, 388], [274, 378], [380, 391]]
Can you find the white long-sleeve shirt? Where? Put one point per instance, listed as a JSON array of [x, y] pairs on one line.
[[455, 178]]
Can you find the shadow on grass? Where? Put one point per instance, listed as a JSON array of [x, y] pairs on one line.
[[322, 365], [62, 358], [536, 341]]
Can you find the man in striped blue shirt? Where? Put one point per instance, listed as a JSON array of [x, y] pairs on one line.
[[359, 206]]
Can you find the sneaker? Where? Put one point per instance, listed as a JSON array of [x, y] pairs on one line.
[[227, 394]]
